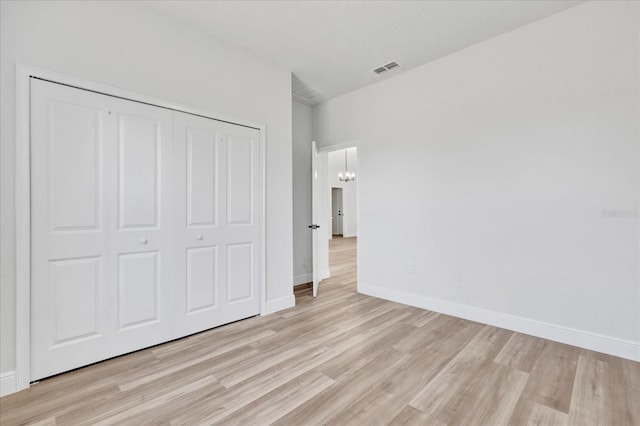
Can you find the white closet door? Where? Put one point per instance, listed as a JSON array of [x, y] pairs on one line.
[[217, 222], [145, 226], [70, 229], [140, 247], [101, 244]]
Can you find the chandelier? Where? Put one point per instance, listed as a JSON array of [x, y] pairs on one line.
[[346, 176]]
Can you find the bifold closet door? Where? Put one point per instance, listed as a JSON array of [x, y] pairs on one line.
[[217, 207], [141, 248], [70, 318], [101, 270], [145, 226]]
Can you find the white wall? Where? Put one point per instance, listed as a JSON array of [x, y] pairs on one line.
[[508, 174], [126, 46], [302, 133], [349, 189]]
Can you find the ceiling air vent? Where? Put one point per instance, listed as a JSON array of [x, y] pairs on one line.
[[387, 67], [306, 93]]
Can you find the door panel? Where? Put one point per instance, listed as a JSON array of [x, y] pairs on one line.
[[138, 289], [315, 217], [69, 242], [202, 177], [75, 135], [201, 278], [138, 165], [141, 250], [239, 272], [239, 180], [337, 211], [217, 227], [100, 172], [75, 285]]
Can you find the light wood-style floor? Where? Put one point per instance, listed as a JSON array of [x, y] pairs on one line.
[[341, 359]]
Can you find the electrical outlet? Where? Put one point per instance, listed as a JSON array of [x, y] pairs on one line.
[[411, 268]]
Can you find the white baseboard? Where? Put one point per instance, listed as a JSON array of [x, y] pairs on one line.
[[8, 383], [584, 339], [280, 304], [302, 279]]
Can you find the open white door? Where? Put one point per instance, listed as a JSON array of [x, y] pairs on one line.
[[315, 216]]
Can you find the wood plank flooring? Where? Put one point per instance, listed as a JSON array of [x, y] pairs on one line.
[[342, 359]]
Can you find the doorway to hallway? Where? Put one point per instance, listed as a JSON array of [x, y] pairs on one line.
[[334, 205]]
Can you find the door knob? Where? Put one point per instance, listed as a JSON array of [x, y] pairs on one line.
[[144, 241], [314, 226]]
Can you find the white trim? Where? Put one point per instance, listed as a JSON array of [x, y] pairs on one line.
[[280, 304], [584, 339], [302, 279], [23, 188], [23, 230], [7, 383], [263, 220]]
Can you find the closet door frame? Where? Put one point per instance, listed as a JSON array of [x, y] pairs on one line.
[[24, 74]]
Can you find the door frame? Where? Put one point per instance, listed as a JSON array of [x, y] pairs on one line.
[[23, 193]]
